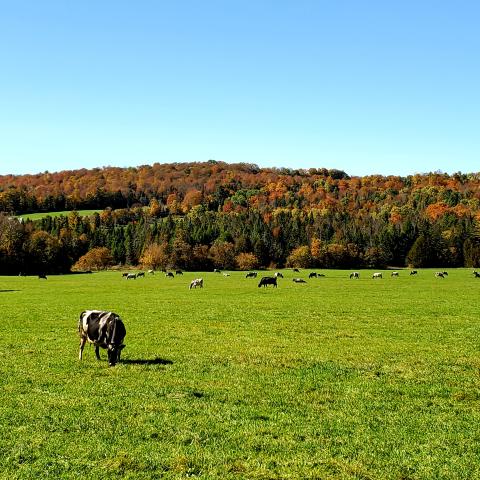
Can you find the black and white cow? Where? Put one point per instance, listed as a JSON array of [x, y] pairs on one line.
[[264, 281], [355, 275], [251, 275], [413, 272], [103, 329]]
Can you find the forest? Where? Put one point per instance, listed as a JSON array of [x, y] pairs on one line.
[[199, 216]]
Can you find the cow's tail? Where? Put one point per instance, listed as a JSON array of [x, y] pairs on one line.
[[80, 322]]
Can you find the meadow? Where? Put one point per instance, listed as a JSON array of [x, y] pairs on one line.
[[40, 215], [332, 379]]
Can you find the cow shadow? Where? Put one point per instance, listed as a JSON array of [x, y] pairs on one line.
[[145, 361]]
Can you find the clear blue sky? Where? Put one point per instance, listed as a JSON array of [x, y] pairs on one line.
[[371, 86]]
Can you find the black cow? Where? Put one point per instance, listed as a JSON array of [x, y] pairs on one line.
[[103, 329], [140, 274], [178, 272], [169, 275], [312, 275], [296, 270], [264, 281], [42, 275]]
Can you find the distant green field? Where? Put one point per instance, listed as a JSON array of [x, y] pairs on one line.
[[40, 215], [332, 379]]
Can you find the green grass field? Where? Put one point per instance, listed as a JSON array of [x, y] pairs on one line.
[[40, 215], [333, 379]]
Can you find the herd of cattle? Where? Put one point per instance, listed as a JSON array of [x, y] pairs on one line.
[[105, 329]]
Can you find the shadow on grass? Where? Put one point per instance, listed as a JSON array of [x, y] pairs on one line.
[[143, 361], [3, 291]]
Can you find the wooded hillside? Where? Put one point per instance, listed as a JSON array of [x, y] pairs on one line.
[[201, 215]]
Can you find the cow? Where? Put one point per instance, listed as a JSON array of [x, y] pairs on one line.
[[216, 270], [251, 275], [42, 275], [445, 273], [131, 276], [226, 274], [198, 282], [312, 275], [169, 275], [178, 272], [103, 329], [264, 281], [413, 272], [278, 275], [476, 274], [355, 275], [151, 272], [296, 270], [299, 280], [377, 275], [394, 274], [439, 275], [140, 274], [124, 274]]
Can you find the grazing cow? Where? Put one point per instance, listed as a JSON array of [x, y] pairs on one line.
[[394, 274], [251, 275], [131, 276], [178, 272], [439, 275], [445, 273], [355, 275], [42, 275], [264, 281], [377, 275], [216, 270], [278, 275], [151, 272], [476, 274], [103, 329], [299, 280], [198, 282], [312, 275], [413, 272], [296, 270], [124, 274], [140, 274], [169, 275]]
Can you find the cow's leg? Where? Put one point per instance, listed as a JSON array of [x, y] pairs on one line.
[[97, 352], [82, 344]]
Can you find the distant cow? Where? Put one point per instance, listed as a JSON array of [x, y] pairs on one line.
[[394, 274], [264, 281], [198, 282], [413, 272], [216, 270], [140, 274], [278, 275], [312, 275], [103, 329], [42, 275], [476, 274], [131, 276], [124, 274], [354, 275], [439, 275], [445, 273], [226, 274], [296, 270], [377, 275], [169, 275], [299, 280], [251, 275], [178, 272], [151, 272]]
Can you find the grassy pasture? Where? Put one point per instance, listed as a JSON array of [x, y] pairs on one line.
[[40, 215], [333, 379]]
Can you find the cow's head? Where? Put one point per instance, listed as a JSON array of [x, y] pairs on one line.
[[114, 354]]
